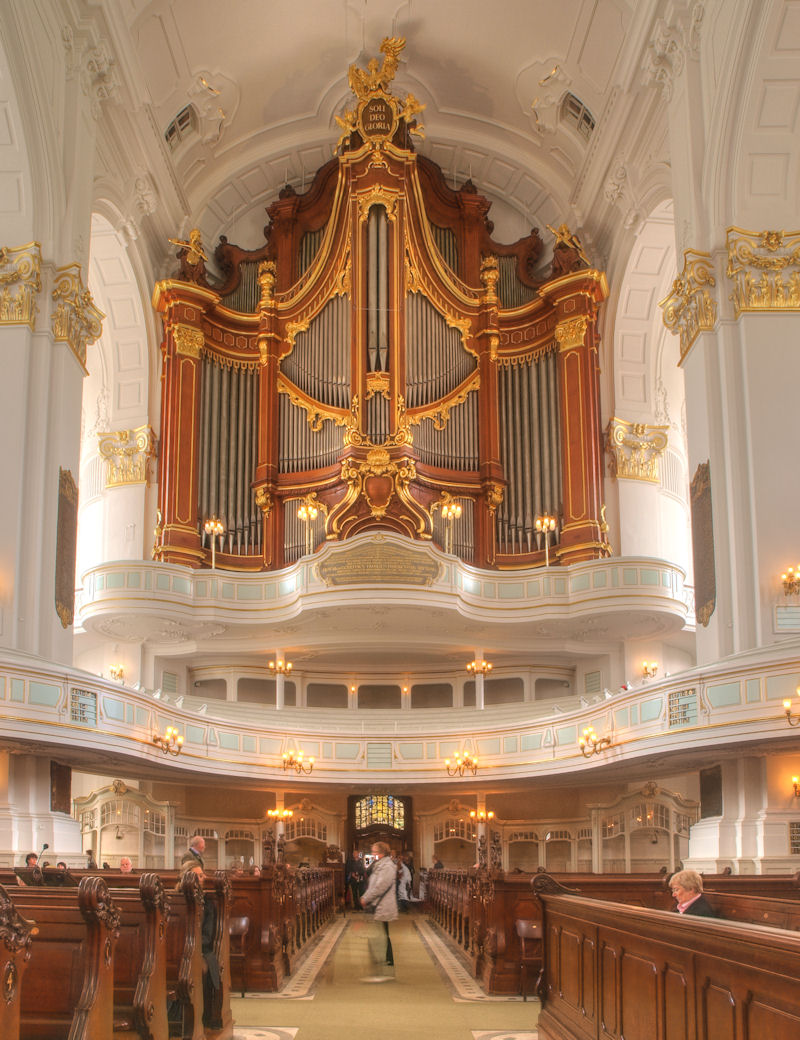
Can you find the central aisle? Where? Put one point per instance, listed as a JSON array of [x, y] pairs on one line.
[[418, 1002]]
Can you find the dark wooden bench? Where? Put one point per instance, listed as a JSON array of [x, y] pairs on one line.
[[16, 935], [68, 990]]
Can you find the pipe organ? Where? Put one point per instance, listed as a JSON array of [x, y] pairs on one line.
[[378, 357]]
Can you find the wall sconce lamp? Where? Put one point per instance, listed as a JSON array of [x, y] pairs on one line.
[[294, 760], [213, 528], [791, 581], [793, 720], [117, 672], [479, 667], [591, 744], [450, 511], [464, 762], [649, 669], [280, 814], [280, 667], [307, 511], [171, 743], [546, 524], [481, 815], [796, 786]]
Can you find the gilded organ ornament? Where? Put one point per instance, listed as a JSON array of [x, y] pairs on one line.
[[764, 267], [690, 308], [20, 284], [635, 449]]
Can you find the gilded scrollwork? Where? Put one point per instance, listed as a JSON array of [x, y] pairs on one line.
[[315, 414], [690, 308], [20, 284], [378, 383], [264, 501], [635, 449], [189, 341], [266, 284], [76, 320], [378, 196], [571, 332], [495, 493], [127, 454], [764, 267], [378, 463], [440, 414]]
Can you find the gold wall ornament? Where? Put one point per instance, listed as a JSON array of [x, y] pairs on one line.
[[127, 454], [402, 437], [393, 477], [378, 195], [377, 383], [189, 341], [76, 320], [440, 413], [266, 284], [571, 332], [66, 547], [635, 449], [20, 283], [315, 415], [764, 267], [264, 501], [690, 309], [490, 275]]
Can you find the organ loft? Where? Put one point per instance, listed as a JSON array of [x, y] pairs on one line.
[[380, 362]]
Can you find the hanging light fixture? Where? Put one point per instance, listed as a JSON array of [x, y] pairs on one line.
[[294, 760], [280, 814], [465, 762], [171, 743], [280, 667], [591, 744], [479, 667]]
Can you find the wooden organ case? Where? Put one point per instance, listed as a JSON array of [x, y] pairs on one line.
[[378, 362]]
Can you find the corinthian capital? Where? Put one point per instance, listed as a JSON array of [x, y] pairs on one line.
[[635, 449], [20, 283], [670, 46]]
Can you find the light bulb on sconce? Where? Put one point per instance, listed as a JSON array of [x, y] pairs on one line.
[[649, 669], [796, 786], [481, 814], [280, 667], [793, 720], [791, 581]]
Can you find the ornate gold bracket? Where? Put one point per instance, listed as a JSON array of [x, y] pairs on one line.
[[76, 320], [635, 449], [20, 283], [127, 454], [571, 333], [690, 309], [764, 267]]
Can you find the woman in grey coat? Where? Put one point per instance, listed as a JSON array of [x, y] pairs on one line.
[[380, 894]]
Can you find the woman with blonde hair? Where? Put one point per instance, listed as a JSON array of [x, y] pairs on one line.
[[687, 890]]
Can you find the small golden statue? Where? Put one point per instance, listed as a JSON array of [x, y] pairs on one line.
[[568, 252]]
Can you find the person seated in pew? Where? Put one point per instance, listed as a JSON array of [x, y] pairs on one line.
[[61, 865], [687, 890], [212, 979], [125, 865]]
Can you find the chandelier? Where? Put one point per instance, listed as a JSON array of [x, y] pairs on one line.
[[280, 667], [479, 667], [294, 760], [171, 742], [591, 744], [280, 814], [791, 581], [464, 762]]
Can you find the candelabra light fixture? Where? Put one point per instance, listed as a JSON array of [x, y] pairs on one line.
[[591, 744], [280, 667], [294, 760], [451, 511], [791, 581], [479, 667], [796, 786], [649, 669], [545, 524], [793, 720], [280, 814], [481, 815], [308, 512], [171, 742], [117, 672], [464, 763], [213, 528]]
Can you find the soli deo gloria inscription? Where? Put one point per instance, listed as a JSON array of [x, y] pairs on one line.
[[379, 565]]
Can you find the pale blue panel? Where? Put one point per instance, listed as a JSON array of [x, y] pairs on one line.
[[347, 752], [327, 749], [288, 586], [269, 745], [44, 693], [431, 750], [630, 576], [229, 741], [148, 580], [212, 736], [310, 748], [648, 576], [115, 580], [666, 579], [270, 592], [724, 693], [201, 589], [227, 591], [141, 716], [753, 690], [134, 580], [599, 579], [2, 688], [615, 578], [409, 751], [489, 747], [129, 713], [782, 687], [567, 735], [513, 591], [248, 742], [510, 745], [530, 741], [534, 589], [560, 586], [634, 714], [195, 734], [249, 592], [113, 709], [650, 710], [448, 748], [621, 718], [162, 583], [182, 585], [17, 690], [579, 583], [787, 619], [101, 582], [490, 589]]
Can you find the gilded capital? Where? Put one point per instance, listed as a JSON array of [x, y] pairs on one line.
[[20, 283], [266, 283], [635, 449], [127, 455], [189, 341], [571, 333], [690, 308], [76, 320], [264, 501], [764, 267]]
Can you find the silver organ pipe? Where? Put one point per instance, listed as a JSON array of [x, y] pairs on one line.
[[436, 361], [309, 247], [455, 446], [447, 244], [512, 292], [377, 418], [530, 445], [377, 290], [383, 291], [228, 432], [319, 363], [301, 447], [244, 297]]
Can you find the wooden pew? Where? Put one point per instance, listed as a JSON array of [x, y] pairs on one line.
[[69, 983], [617, 971], [16, 935]]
